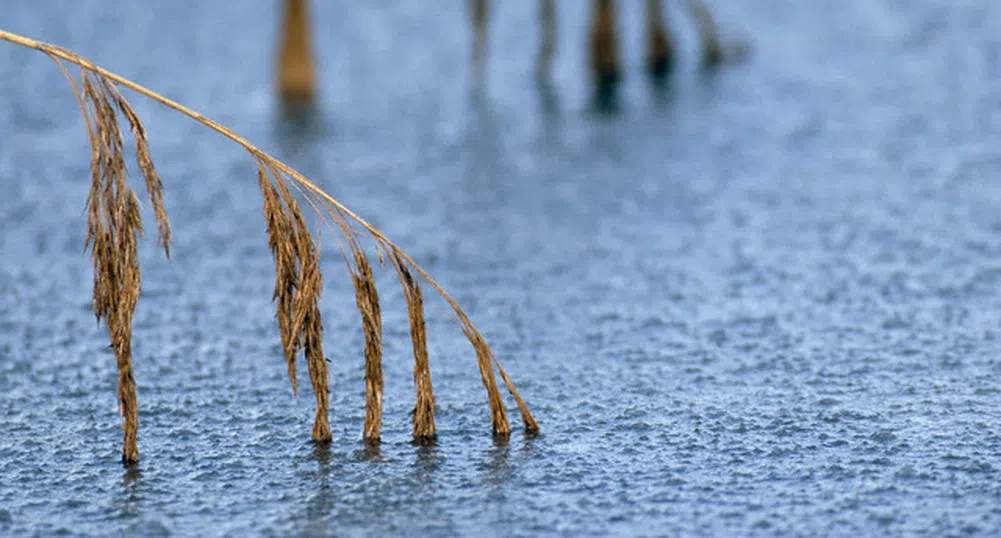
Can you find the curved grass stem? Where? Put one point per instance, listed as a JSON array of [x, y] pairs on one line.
[[113, 225]]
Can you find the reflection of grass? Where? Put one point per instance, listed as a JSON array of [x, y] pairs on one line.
[[114, 224]]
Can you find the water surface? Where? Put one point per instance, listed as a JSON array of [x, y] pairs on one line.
[[760, 302]]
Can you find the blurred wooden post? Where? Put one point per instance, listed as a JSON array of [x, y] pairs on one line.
[[660, 44], [480, 13], [604, 45], [712, 48], [547, 47], [296, 74]]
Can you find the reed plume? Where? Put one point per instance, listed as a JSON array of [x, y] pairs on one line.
[[298, 284], [114, 224]]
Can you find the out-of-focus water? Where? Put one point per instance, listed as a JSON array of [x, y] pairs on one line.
[[762, 302]]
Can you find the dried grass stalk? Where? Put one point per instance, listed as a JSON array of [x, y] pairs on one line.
[[113, 226], [367, 298], [298, 285], [531, 426], [285, 268], [296, 75], [498, 416], [424, 426]]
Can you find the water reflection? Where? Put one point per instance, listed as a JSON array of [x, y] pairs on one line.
[[482, 130], [549, 115], [301, 116], [321, 453], [371, 452], [484, 147], [549, 100], [129, 503], [427, 460], [497, 468], [321, 503], [131, 475], [663, 91], [605, 99], [300, 130]]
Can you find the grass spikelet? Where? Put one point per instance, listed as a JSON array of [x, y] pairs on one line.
[[367, 298], [306, 320], [424, 408], [114, 225], [285, 268], [298, 285]]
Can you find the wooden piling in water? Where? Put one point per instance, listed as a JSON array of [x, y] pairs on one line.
[[296, 72], [480, 14], [713, 53], [604, 45], [547, 44], [660, 44]]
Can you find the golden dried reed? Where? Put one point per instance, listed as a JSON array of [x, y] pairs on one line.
[[113, 227], [114, 223], [298, 285], [367, 298], [424, 426]]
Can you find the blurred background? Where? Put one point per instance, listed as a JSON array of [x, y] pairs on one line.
[[754, 301]]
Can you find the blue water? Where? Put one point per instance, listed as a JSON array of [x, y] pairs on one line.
[[761, 302]]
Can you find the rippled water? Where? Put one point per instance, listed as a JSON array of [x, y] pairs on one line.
[[762, 302]]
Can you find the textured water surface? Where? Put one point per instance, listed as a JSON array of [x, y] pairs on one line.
[[760, 302]]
